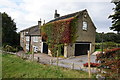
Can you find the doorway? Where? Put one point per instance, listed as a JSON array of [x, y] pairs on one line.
[[81, 48]]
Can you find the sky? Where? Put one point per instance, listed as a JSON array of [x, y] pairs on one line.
[[27, 13]]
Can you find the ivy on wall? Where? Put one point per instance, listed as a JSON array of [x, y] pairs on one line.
[[59, 32]]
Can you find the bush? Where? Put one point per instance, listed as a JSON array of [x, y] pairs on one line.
[[110, 60], [9, 48], [97, 46]]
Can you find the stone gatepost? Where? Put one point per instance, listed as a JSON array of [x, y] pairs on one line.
[[65, 50], [69, 50]]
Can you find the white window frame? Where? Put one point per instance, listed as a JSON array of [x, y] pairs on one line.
[[27, 46], [26, 32], [85, 25], [27, 38], [40, 39], [35, 39]]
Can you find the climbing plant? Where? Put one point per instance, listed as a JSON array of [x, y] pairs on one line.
[[59, 32]]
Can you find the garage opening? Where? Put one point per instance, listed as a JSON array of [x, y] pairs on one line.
[[81, 48]]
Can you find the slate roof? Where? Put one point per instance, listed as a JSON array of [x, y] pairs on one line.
[[34, 30], [67, 16], [28, 28]]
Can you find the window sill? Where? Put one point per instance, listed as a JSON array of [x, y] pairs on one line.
[[35, 41], [84, 30]]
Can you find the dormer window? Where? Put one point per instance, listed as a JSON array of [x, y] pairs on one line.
[[84, 25]]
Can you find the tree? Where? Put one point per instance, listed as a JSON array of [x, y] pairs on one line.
[[116, 18], [9, 34], [110, 37], [107, 37], [98, 37]]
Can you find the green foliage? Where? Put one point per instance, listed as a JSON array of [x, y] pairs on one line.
[[112, 37], [110, 62], [98, 46], [59, 32], [98, 50], [9, 34], [29, 53], [63, 31], [10, 48], [108, 37], [74, 30], [107, 45], [98, 37], [116, 18], [14, 67]]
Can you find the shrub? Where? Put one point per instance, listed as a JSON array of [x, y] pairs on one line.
[[108, 53], [7, 48], [97, 46], [10, 48], [110, 60]]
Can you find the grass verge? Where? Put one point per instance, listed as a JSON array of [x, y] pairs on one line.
[[15, 67]]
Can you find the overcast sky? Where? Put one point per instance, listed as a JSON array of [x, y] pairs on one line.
[[26, 13]]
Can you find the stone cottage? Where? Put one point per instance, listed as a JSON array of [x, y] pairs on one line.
[[30, 39], [84, 42]]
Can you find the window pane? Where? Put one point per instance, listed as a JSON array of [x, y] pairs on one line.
[[35, 39], [27, 46], [27, 38], [84, 25]]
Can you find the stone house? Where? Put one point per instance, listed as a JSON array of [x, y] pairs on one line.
[[30, 39], [85, 41]]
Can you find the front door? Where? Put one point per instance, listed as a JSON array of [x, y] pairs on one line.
[[45, 48]]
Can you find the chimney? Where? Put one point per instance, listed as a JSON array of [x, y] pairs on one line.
[[43, 22], [39, 23], [56, 15]]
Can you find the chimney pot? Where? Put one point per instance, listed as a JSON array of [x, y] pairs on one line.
[[56, 15], [43, 22], [39, 22]]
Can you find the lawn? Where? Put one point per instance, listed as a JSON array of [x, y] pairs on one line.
[[98, 50], [15, 67]]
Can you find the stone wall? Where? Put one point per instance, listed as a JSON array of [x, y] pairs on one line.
[[83, 35], [86, 35]]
